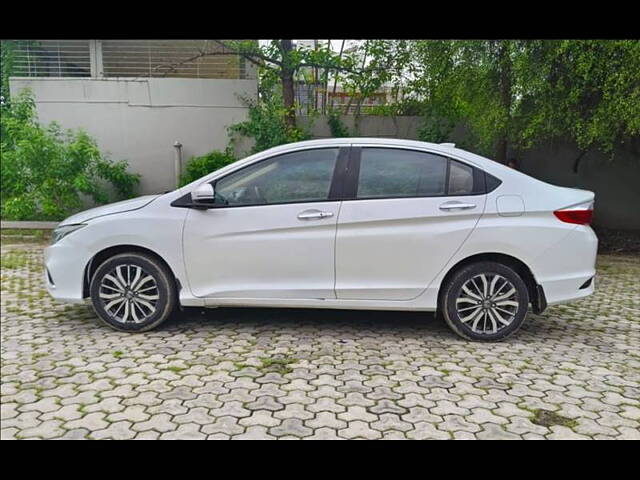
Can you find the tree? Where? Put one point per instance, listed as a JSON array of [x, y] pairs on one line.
[[280, 59], [470, 82], [514, 93], [586, 89]]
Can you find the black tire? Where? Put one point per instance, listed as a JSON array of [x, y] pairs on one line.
[[453, 289], [165, 291]]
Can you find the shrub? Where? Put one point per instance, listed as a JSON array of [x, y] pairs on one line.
[[200, 166], [46, 171], [266, 125], [336, 125]]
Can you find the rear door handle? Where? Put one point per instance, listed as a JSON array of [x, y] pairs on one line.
[[314, 215], [457, 206]]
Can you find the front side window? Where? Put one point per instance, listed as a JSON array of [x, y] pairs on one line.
[[387, 172], [296, 177]]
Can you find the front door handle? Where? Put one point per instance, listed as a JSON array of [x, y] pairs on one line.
[[314, 215], [457, 206]]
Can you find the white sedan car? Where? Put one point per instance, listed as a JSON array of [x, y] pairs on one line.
[[348, 223]]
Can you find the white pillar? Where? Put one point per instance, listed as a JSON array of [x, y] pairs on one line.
[[95, 55]]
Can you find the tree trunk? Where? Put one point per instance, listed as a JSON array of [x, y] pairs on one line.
[[576, 162], [501, 154], [504, 65], [335, 80], [288, 92]]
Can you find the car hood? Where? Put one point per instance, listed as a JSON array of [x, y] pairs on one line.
[[117, 207]]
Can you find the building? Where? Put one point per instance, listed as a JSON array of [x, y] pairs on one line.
[[139, 97]]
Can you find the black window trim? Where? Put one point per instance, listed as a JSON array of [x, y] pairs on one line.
[[344, 182], [351, 188], [335, 188]]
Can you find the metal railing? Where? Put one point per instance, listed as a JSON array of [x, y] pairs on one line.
[[126, 58], [52, 58]]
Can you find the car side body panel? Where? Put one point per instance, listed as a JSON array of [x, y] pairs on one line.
[[391, 249]]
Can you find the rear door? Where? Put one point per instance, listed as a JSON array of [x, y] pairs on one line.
[[404, 215]]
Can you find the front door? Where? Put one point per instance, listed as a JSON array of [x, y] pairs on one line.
[[410, 212], [271, 233]]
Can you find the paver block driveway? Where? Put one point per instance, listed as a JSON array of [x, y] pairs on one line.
[[573, 372]]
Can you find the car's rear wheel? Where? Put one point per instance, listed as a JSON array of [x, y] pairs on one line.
[[133, 292], [485, 301]]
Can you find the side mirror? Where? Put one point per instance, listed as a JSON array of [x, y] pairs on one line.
[[203, 195]]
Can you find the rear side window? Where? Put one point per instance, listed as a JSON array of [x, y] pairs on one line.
[[387, 173], [460, 179]]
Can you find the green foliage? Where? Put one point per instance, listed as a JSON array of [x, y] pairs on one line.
[[589, 89], [46, 171], [266, 123], [337, 126], [521, 92], [402, 108], [6, 68], [200, 166]]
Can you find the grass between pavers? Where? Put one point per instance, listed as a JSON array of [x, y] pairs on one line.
[[13, 261], [547, 418], [271, 364], [15, 235]]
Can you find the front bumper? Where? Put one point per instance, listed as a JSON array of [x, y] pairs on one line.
[[64, 270]]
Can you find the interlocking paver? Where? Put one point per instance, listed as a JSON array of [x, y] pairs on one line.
[[263, 418], [349, 375], [187, 431], [291, 427], [492, 431], [427, 431], [115, 431], [255, 432], [91, 422], [359, 429]]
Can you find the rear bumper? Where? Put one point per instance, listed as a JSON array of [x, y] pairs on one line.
[[568, 290], [564, 268]]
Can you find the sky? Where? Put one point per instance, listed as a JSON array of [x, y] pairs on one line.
[[335, 44]]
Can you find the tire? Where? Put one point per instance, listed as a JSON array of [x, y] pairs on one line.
[[146, 300], [473, 313]]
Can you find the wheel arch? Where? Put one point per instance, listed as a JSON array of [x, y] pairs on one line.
[[103, 255], [536, 293]]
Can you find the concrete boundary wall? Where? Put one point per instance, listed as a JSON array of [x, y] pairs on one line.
[[139, 120]]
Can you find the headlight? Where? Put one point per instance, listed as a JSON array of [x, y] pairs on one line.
[[61, 232]]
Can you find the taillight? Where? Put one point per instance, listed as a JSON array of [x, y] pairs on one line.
[[580, 217]]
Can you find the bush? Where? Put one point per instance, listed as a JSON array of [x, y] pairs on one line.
[[336, 125], [200, 166], [266, 125], [45, 170]]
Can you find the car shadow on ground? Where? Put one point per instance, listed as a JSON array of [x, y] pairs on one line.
[[300, 318], [364, 323]]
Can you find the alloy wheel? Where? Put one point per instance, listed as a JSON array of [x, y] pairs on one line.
[[487, 303], [129, 294]]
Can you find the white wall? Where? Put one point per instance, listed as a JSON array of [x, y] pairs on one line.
[[140, 119]]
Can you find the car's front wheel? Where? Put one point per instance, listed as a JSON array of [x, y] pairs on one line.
[[485, 301], [133, 292]]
